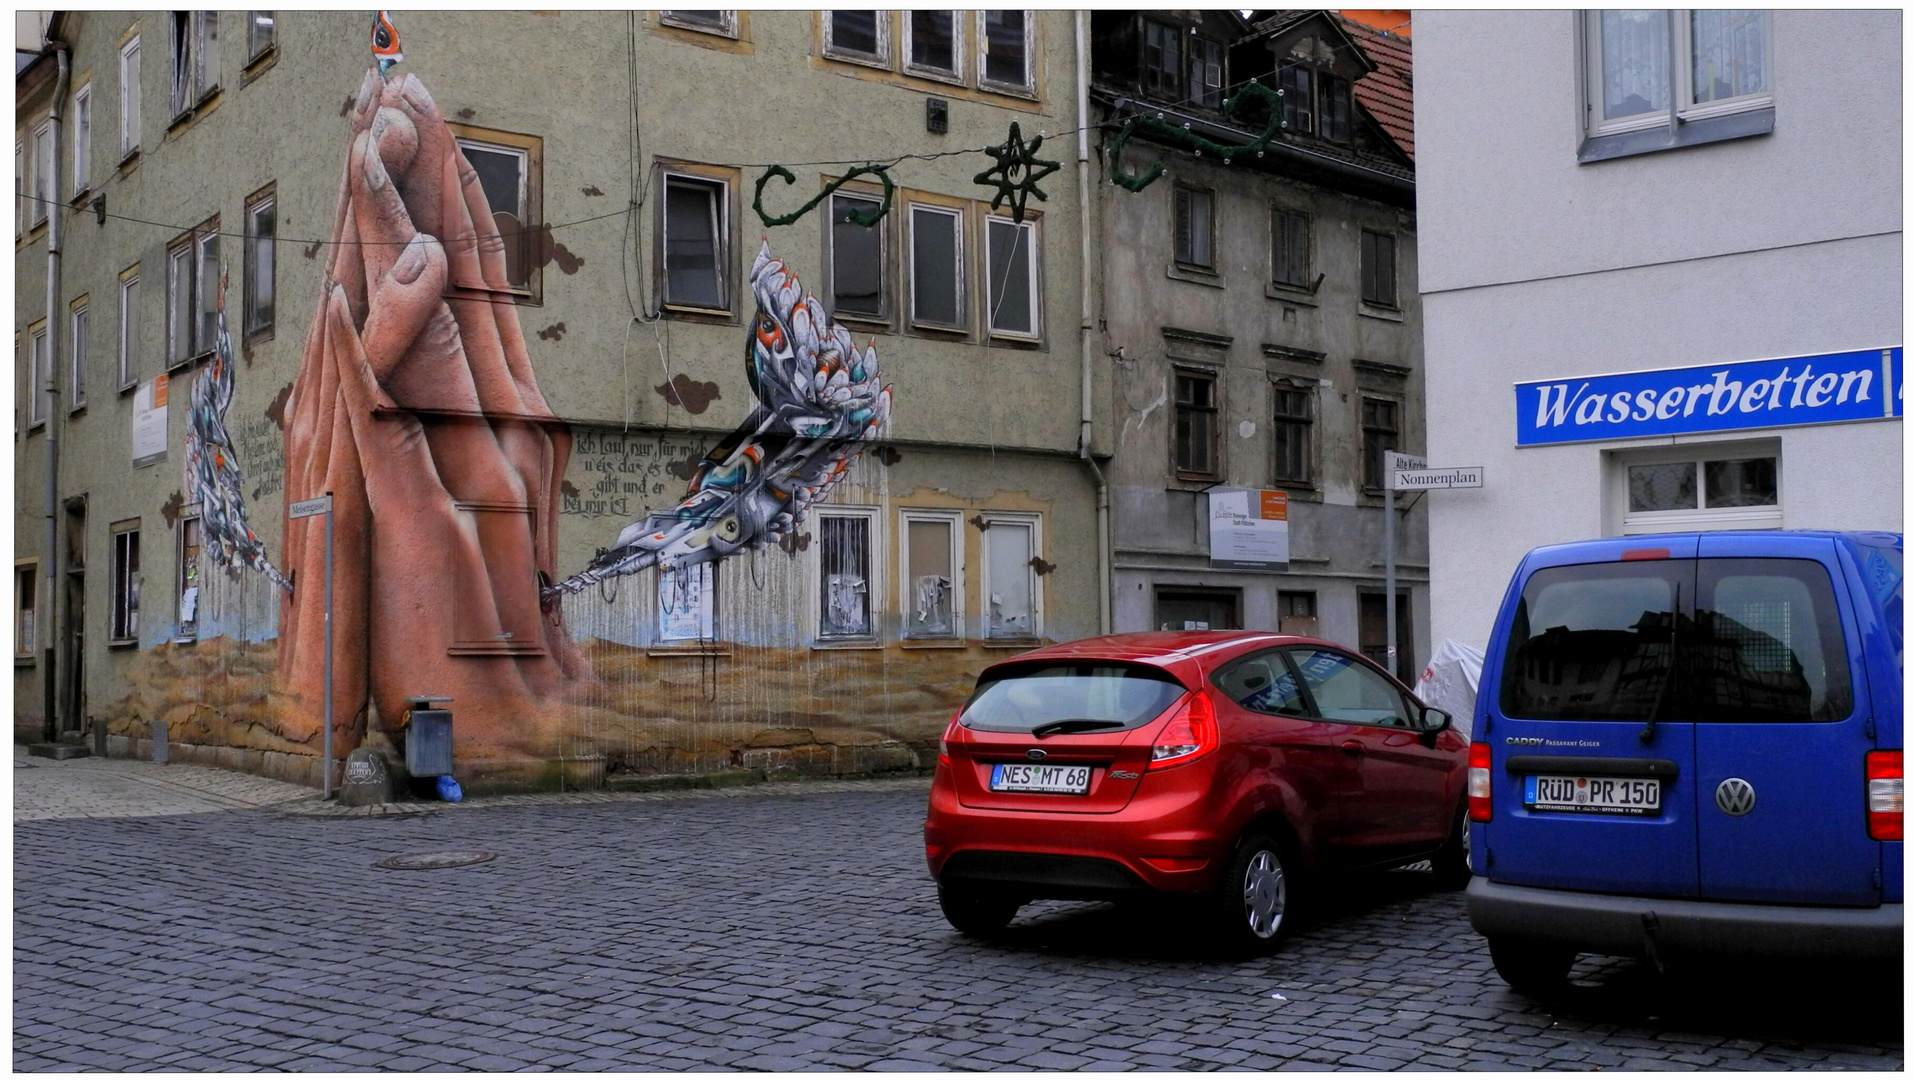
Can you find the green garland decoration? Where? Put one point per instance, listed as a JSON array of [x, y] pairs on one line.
[[865, 218], [1016, 172], [1182, 136]]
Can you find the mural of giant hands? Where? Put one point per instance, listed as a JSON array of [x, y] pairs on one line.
[[416, 406]]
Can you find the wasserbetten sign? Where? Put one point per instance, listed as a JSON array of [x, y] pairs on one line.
[[1866, 384]]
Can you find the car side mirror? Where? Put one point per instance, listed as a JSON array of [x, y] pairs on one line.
[[1433, 722]]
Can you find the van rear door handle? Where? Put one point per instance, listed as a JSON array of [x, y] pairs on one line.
[[1353, 747]]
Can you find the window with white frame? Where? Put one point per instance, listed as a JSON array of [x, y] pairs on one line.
[[42, 188], [1006, 51], [931, 577], [861, 37], [936, 267], [192, 294], [195, 69], [81, 312], [261, 31], [82, 138], [128, 344], [26, 583], [695, 215], [129, 98], [262, 233], [687, 603], [857, 262], [1653, 68], [39, 371], [1012, 589], [723, 23], [20, 188], [846, 582], [510, 171], [123, 620], [933, 44], [1015, 280], [187, 577], [1700, 486]]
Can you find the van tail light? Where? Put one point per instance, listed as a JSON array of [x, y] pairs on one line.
[[1481, 785], [943, 740], [1886, 795], [1190, 733]]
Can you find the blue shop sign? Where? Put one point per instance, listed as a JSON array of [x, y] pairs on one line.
[[1831, 388]]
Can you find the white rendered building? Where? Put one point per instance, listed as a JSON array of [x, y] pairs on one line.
[[1682, 232]]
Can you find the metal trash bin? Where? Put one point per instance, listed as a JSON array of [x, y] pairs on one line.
[[428, 737]]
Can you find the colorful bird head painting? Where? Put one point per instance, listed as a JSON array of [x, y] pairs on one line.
[[385, 42], [818, 399]]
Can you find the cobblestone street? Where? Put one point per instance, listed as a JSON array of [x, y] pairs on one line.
[[778, 927]]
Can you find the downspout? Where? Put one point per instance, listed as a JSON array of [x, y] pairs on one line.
[[1089, 328], [50, 627]]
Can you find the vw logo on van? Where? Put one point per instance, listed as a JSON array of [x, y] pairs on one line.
[[1735, 797]]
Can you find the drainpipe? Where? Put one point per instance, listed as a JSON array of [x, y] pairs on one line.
[[1089, 327], [51, 564]]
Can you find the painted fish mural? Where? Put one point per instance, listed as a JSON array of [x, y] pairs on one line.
[[213, 477], [818, 398]]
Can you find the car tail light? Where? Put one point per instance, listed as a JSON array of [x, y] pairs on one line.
[[943, 740], [1886, 795], [1190, 733], [1481, 785]]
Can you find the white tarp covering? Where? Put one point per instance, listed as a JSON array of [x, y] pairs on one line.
[[1450, 680]]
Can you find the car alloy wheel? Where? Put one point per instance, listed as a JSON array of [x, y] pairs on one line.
[[1265, 894]]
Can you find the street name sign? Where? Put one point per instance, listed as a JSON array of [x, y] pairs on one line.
[[1465, 476], [306, 508]]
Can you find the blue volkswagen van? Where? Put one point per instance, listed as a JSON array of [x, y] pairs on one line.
[[1689, 745]]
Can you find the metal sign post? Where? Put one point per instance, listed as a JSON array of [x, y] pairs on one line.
[[1392, 463], [1407, 473], [305, 509]]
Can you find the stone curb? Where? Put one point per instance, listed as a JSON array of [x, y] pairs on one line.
[[313, 807]]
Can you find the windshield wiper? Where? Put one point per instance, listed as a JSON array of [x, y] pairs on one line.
[[1072, 727]]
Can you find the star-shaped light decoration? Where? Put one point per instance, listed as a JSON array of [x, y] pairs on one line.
[[1016, 172]]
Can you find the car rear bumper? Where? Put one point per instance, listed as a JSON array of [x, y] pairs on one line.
[[1648, 925], [1168, 841]]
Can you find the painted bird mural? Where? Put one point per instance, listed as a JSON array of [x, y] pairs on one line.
[[818, 399], [213, 479]]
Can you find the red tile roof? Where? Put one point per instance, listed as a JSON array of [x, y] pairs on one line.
[[1388, 93]]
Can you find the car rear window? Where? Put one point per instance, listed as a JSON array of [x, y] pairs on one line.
[[1766, 645], [1021, 697], [1710, 640]]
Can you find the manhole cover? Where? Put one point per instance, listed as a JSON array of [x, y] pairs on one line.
[[435, 860]]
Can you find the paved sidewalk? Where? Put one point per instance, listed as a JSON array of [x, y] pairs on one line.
[[92, 787]]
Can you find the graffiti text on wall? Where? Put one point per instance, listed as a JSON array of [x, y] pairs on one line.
[[623, 473], [263, 448]]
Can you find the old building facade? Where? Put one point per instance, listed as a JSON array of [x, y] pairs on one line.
[[500, 296], [1262, 322]]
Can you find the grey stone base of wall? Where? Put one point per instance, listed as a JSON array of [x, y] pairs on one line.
[[503, 777]]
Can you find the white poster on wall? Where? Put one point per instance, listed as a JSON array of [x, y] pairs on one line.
[[1249, 529], [686, 599], [149, 422]]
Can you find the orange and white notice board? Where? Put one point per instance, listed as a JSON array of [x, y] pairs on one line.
[[1249, 529]]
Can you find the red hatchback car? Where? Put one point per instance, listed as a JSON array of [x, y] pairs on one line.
[[1226, 766]]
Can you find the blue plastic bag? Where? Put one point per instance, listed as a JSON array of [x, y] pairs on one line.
[[448, 789]]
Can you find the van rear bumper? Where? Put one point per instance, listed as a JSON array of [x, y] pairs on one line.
[[1623, 925]]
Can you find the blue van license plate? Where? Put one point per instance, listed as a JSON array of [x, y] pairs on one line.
[[1631, 796]]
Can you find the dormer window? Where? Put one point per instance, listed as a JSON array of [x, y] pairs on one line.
[[1205, 72], [1315, 103], [1161, 59]]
